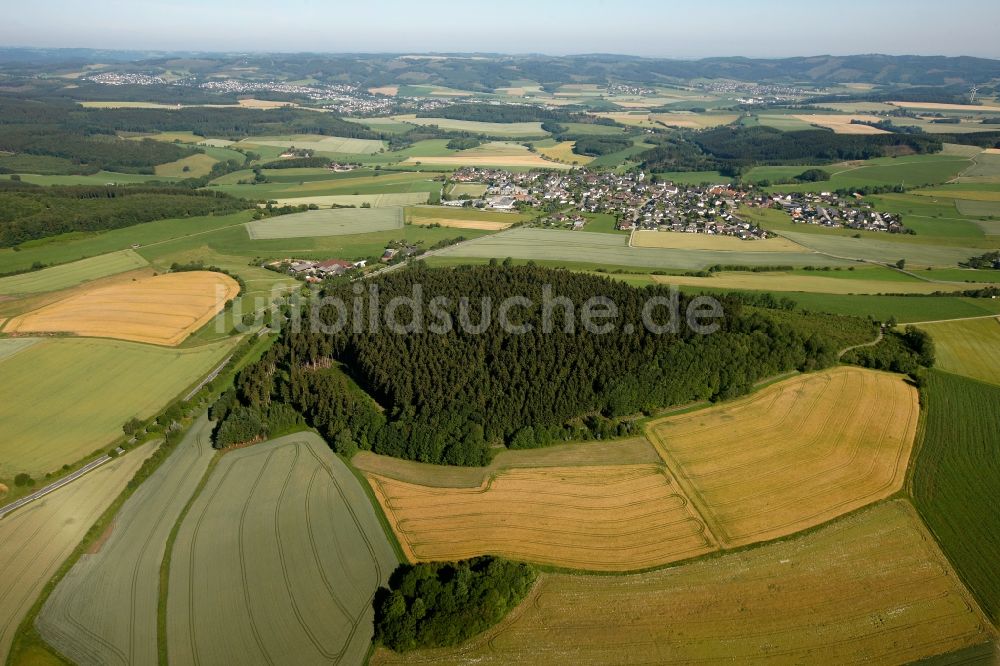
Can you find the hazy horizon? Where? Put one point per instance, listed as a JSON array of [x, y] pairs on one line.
[[719, 28]]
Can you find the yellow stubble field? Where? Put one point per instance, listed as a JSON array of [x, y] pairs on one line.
[[161, 310], [794, 455]]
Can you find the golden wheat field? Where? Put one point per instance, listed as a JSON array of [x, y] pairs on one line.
[[160, 310], [563, 152], [604, 518], [485, 225], [793, 455], [870, 588], [841, 124]]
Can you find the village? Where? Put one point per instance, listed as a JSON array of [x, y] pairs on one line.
[[649, 203]]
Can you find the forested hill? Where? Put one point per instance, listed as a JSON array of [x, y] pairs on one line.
[[450, 397]]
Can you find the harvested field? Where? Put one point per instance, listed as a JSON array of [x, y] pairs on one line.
[[793, 455], [526, 160], [159, 310], [601, 518], [970, 348], [871, 588], [390, 200], [263, 104], [975, 108], [277, 561], [841, 124], [489, 129], [794, 282], [319, 143], [35, 540], [692, 120], [634, 451], [563, 152], [670, 239], [486, 225], [391, 91], [104, 610], [334, 222], [72, 274], [195, 166], [63, 399]]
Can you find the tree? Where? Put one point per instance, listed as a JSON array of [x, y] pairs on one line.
[[901, 264], [132, 426], [23, 479]]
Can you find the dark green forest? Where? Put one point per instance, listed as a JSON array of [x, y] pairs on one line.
[[29, 212], [440, 604], [451, 397]]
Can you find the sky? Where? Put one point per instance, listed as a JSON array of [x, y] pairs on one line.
[[657, 28]]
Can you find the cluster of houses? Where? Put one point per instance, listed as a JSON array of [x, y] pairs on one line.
[[314, 271], [831, 210]]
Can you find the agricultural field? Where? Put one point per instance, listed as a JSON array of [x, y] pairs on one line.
[[68, 275], [682, 241], [462, 218], [334, 222], [794, 455], [495, 153], [813, 282], [292, 186], [635, 451], [985, 169], [388, 200], [289, 516], [105, 609], [602, 518], [474, 190], [63, 399], [912, 171], [870, 587], [841, 124], [562, 152], [318, 143], [693, 120], [99, 178], [37, 539], [160, 310], [955, 476], [970, 348], [601, 249], [475, 127], [195, 166], [916, 254], [11, 346]]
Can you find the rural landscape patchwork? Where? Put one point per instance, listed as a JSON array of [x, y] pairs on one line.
[[370, 355]]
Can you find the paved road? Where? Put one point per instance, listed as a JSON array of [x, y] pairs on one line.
[[945, 321], [13, 506], [212, 375]]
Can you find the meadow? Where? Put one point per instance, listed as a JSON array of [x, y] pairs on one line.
[[970, 348], [63, 276], [813, 282], [305, 187], [386, 200], [793, 455], [195, 166], [601, 249], [63, 399], [105, 609], [38, 538], [955, 476], [602, 518], [883, 251], [290, 517], [911, 171], [160, 310], [870, 587], [333, 222]]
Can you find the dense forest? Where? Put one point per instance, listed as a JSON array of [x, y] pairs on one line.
[[730, 149], [904, 352], [594, 146], [30, 212], [440, 604], [450, 397], [497, 113]]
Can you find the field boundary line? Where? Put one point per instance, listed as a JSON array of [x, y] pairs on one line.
[[52, 487]]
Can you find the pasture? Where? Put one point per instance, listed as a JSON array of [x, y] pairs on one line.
[[105, 609], [317, 142], [277, 561], [601, 249], [37, 539], [68, 275], [63, 399], [333, 222], [793, 455], [683, 241], [814, 282], [388, 200], [955, 476], [871, 588], [160, 310], [511, 130], [970, 348], [601, 518], [194, 166]]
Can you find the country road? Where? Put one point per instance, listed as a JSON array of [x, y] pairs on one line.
[[52, 487], [874, 342]]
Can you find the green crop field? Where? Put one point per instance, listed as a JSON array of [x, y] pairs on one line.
[[473, 190], [277, 561], [11, 346], [883, 251], [334, 222], [72, 274], [99, 178], [955, 479], [38, 538], [388, 200], [603, 249], [378, 183], [65, 398], [970, 348], [476, 127], [911, 171], [125, 573], [150, 235]]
